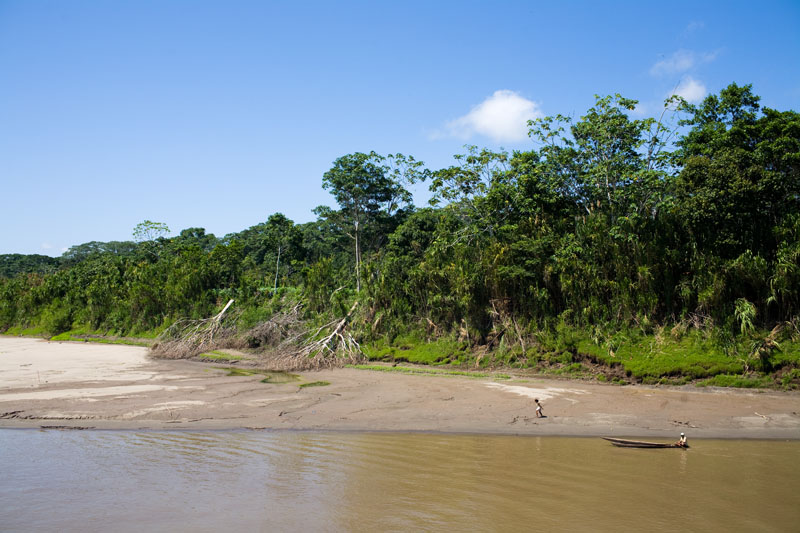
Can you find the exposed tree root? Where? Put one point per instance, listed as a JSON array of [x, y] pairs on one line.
[[188, 338], [280, 327], [335, 349]]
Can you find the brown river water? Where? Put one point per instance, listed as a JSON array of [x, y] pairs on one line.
[[54, 480]]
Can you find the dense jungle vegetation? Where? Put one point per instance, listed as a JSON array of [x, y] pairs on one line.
[[629, 249]]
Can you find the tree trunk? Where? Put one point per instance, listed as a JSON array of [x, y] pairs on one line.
[[358, 261], [277, 265]]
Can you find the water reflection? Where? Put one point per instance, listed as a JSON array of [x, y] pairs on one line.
[[290, 481]]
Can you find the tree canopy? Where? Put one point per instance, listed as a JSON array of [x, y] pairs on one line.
[[607, 222]]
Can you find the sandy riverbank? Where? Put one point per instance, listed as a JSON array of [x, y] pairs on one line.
[[118, 387]]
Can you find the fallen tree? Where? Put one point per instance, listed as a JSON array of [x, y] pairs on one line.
[[187, 338], [288, 342], [329, 346], [285, 325]]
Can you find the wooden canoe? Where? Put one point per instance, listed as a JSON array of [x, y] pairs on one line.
[[623, 443]]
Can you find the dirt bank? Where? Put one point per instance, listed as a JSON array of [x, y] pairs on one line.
[[118, 387]]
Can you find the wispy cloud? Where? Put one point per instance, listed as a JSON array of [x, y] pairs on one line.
[[690, 89], [694, 26], [681, 61], [503, 116]]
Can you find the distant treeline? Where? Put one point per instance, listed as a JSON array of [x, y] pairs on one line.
[[607, 222]]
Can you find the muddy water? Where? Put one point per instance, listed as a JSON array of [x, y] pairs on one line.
[[297, 481]]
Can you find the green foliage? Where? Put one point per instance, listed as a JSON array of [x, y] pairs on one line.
[[791, 379], [371, 196], [745, 313], [22, 331], [82, 252], [14, 264], [739, 179], [659, 252], [319, 284], [149, 231], [56, 317]]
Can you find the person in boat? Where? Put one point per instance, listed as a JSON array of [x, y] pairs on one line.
[[539, 413], [682, 441]]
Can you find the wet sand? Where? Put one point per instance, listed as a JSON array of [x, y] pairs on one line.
[[84, 385]]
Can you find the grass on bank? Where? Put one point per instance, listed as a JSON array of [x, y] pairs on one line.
[[80, 335], [413, 348], [20, 331], [696, 357], [741, 382], [666, 357], [647, 361], [219, 356], [430, 371]]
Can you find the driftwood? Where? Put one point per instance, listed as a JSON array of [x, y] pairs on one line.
[[335, 348], [284, 325], [188, 338]]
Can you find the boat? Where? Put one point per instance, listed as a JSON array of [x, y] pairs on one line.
[[623, 443]]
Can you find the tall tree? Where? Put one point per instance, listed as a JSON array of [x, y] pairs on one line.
[[741, 172], [369, 189], [149, 230]]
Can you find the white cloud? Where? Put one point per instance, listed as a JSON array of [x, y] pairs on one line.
[[503, 116], [690, 89], [46, 246], [681, 61], [695, 25]]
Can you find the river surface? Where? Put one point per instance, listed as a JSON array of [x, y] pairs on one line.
[[54, 480]]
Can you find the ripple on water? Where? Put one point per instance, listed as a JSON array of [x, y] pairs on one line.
[[210, 481]]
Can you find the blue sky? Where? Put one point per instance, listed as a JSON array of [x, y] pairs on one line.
[[217, 114]]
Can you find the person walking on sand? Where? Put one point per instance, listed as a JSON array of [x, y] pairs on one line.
[[539, 413]]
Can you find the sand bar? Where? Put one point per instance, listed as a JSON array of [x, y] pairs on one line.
[[118, 387]]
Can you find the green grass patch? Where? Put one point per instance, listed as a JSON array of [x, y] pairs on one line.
[[315, 384], [217, 355], [696, 356], [791, 379], [20, 331], [430, 371], [692, 357], [742, 382], [412, 348], [81, 336], [788, 355]]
